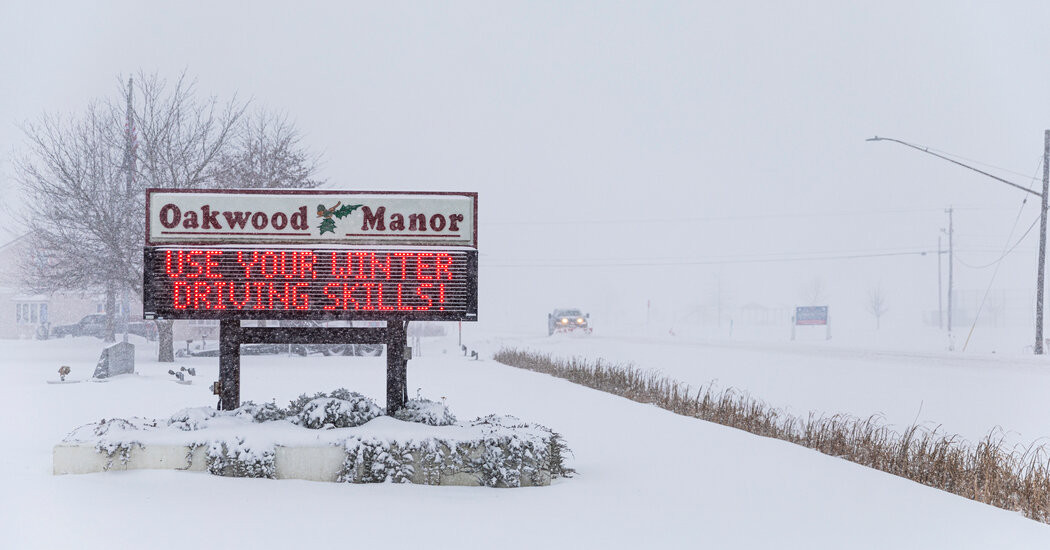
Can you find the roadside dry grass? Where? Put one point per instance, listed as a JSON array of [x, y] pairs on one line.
[[1013, 478]]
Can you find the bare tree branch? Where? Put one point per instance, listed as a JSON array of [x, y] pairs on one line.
[[86, 228]]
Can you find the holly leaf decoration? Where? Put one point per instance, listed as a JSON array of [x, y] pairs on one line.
[[327, 226], [345, 210]]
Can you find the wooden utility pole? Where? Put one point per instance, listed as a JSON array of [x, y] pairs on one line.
[[951, 249], [940, 291], [1038, 347], [1040, 285]]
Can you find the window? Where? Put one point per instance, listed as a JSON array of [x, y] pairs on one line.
[[30, 313]]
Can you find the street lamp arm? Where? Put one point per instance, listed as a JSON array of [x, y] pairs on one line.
[[927, 151]]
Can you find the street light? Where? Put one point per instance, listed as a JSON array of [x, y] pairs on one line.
[[1041, 272]]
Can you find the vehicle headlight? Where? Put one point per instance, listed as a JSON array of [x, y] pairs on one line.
[[564, 321], [579, 320]]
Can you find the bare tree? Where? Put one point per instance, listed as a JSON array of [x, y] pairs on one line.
[[877, 304], [267, 153], [86, 219], [181, 141], [76, 222]]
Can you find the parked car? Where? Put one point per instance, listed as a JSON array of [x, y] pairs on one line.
[[568, 320], [89, 325], [95, 325]]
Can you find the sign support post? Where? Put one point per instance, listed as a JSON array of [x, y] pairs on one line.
[[396, 366], [229, 364], [232, 335]]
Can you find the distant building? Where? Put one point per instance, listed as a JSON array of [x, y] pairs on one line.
[[23, 313], [754, 313]]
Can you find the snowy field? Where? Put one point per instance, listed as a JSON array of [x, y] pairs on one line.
[[969, 394], [647, 478]]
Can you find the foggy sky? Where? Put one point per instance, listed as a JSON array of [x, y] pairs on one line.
[[687, 137]]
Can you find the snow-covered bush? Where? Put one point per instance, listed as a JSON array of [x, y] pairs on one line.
[[236, 459], [530, 456], [296, 406], [110, 428], [193, 418], [265, 412], [377, 461], [426, 412], [494, 451], [331, 412]]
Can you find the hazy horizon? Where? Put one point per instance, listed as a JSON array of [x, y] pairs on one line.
[[626, 153]]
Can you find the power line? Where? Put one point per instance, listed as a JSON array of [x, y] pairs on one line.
[[730, 218], [659, 263], [928, 151], [1007, 170], [1005, 253], [1007, 248]]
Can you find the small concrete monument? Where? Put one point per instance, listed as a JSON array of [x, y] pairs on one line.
[[116, 359]]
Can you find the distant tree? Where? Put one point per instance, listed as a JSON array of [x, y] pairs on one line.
[[267, 153], [877, 304], [76, 220], [86, 219]]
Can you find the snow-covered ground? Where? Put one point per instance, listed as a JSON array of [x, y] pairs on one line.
[[647, 478], [969, 394]]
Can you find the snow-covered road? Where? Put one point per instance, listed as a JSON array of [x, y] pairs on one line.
[[647, 478]]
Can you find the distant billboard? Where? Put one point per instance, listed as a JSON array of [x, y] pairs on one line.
[[811, 315]]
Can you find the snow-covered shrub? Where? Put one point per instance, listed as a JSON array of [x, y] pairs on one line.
[[193, 418], [496, 467], [114, 450], [112, 437], [557, 449], [236, 459], [296, 406], [331, 412], [265, 412], [344, 394], [496, 451], [427, 412], [377, 461], [112, 428], [534, 457]]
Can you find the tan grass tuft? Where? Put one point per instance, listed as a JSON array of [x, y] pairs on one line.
[[1015, 478]]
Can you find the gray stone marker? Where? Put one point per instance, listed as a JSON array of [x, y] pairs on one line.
[[116, 359]]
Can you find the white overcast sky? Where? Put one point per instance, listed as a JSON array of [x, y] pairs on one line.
[[754, 113]]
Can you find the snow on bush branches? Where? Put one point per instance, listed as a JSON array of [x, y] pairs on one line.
[[422, 443], [426, 412]]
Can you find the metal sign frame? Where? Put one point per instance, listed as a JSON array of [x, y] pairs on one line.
[[232, 335]]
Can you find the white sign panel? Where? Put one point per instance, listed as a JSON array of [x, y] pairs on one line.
[[286, 216]]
